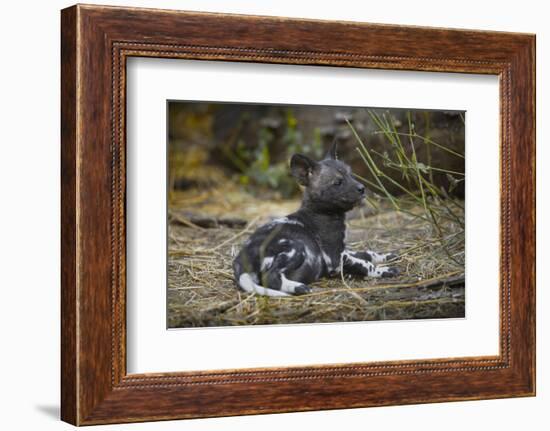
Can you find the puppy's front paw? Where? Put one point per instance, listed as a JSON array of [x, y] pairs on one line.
[[388, 271]]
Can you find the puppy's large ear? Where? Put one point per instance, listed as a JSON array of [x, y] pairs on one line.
[[301, 168], [331, 154]]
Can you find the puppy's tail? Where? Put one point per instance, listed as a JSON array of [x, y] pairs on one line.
[[248, 281]]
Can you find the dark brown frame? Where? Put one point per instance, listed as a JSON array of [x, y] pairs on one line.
[[95, 43]]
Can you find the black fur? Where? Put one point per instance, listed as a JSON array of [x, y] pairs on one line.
[[282, 257]]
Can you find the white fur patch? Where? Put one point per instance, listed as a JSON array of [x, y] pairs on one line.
[[310, 257], [314, 261], [266, 263], [328, 261], [378, 257], [248, 285], [289, 285], [290, 254], [286, 220], [379, 272]]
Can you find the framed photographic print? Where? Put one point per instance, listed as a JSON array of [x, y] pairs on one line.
[[259, 217]]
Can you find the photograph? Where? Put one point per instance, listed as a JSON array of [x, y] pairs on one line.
[[292, 214]]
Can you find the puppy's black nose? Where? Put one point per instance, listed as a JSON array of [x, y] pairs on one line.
[[361, 189]]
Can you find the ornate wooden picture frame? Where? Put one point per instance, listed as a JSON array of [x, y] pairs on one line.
[[96, 41]]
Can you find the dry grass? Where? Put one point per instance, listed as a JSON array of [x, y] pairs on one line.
[[202, 291]]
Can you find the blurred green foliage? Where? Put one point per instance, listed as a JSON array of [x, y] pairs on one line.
[[252, 144], [259, 169]]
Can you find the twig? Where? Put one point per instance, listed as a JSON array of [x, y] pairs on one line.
[[450, 279], [234, 237], [184, 221]]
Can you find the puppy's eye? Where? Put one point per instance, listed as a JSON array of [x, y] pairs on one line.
[[338, 182]]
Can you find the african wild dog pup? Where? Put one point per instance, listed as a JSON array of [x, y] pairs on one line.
[[282, 257]]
